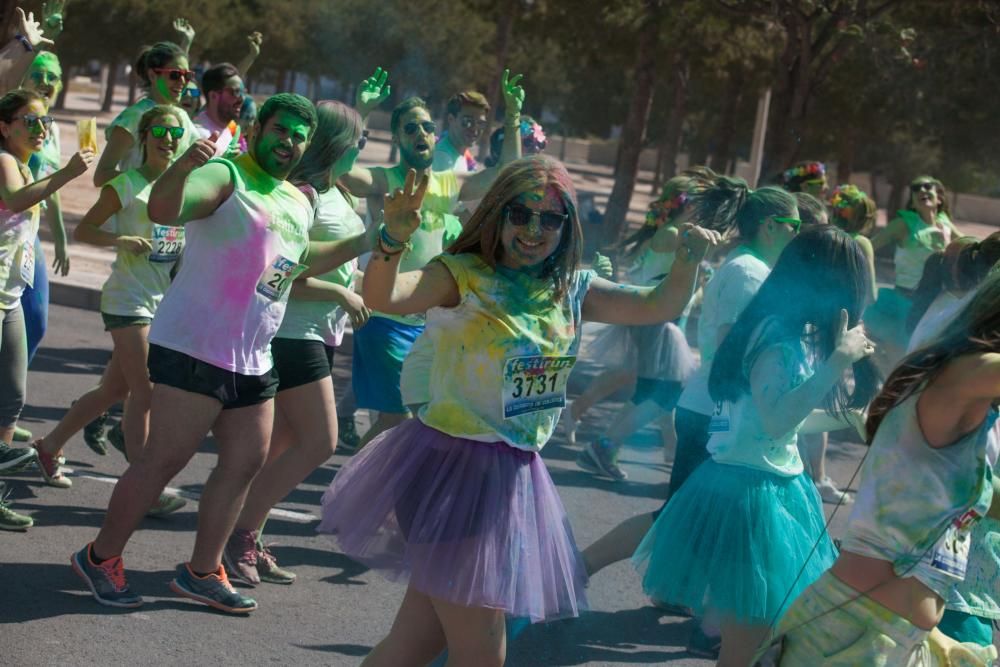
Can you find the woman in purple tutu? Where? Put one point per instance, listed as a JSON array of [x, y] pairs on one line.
[[458, 502]]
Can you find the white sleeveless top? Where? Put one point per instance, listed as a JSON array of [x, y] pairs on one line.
[[228, 299]]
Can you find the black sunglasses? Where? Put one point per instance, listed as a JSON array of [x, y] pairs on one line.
[[363, 141], [31, 119], [427, 126], [925, 186], [520, 215]]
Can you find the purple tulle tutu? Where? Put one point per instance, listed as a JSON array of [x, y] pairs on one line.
[[477, 524]]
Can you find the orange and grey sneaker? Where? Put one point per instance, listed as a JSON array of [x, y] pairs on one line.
[[106, 580], [48, 465], [212, 589]]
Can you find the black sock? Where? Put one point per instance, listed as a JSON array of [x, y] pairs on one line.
[[201, 575], [93, 556]]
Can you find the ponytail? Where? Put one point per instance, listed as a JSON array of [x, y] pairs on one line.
[[154, 57]]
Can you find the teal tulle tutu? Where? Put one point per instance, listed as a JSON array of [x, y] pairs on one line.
[[734, 540]]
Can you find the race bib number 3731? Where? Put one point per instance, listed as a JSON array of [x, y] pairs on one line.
[[531, 384]]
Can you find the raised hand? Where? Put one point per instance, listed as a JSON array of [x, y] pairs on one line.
[[697, 240], [198, 153], [372, 92], [186, 30], [513, 94], [254, 40], [402, 207], [852, 345], [52, 17], [31, 29], [78, 164], [602, 266]]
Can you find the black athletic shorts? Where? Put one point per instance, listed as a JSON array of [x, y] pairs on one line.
[[233, 390], [298, 362]]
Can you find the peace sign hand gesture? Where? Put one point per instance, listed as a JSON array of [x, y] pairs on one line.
[[31, 29], [402, 207], [513, 94], [372, 92]]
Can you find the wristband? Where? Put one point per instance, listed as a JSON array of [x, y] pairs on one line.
[[25, 43], [386, 241]]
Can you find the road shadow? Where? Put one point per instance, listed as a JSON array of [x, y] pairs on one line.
[[324, 556], [71, 361], [596, 637], [353, 650]]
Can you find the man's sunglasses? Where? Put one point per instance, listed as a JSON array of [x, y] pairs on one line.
[[31, 120], [175, 74], [363, 141], [520, 215], [794, 223], [160, 131], [925, 186], [427, 126], [469, 122]]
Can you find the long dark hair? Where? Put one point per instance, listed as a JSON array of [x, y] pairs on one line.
[[732, 204], [482, 233], [975, 330], [821, 271], [338, 128], [156, 56], [958, 268], [11, 102]]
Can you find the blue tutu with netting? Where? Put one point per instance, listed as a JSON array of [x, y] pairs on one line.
[[737, 541]]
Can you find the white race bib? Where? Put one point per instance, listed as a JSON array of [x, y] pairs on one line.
[[167, 243], [531, 384], [26, 261], [720, 421], [278, 277]]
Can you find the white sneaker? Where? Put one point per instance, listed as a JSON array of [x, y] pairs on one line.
[[569, 425], [829, 492]]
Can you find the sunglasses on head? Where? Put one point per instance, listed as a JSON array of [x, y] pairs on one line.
[[794, 223], [44, 77], [363, 141], [925, 186], [520, 215], [470, 122], [160, 131], [427, 126], [175, 74], [31, 120]]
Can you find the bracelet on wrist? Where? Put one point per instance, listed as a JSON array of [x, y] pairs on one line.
[[389, 252], [24, 42], [386, 241]]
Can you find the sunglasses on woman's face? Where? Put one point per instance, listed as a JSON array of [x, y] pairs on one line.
[[926, 186], [32, 120], [520, 215], [175, 74], [363, 141], [44, 77], [191, 92], [794, 223], [160, 131], [427, 126]]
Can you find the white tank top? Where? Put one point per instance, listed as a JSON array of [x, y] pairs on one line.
[[227, 301]]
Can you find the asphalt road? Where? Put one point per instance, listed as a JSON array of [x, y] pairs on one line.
[[336, 610]]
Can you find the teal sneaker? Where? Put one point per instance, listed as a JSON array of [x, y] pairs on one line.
[[117, 439], [9, 519], [14, 459], [213, 590], [166, 505], [21, 434], [601, 458], [106, 581], [93, 435]]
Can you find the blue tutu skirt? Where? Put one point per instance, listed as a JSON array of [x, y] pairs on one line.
[[734, 540]]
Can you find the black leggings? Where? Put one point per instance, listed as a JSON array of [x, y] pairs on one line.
[[692, 449]]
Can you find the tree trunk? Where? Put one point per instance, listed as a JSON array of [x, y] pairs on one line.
[[795, 78], [133, 86], [61, 98], [109, 86], [727, 124], [634, 131], [846, 152], [505, 26], [670, 146]]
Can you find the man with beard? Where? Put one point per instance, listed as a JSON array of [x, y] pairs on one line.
[[465, 121], [223, 90], [209, 359], [383, 343]]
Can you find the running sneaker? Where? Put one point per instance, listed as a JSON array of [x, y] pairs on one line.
[[117, 439], [347, 433], [268, 569], [48, 465], [14, 459], [21, 434], [93, 434], [240, 556], [106, 581], [569, 423], [601, 458], [166, 505], [829, 492], [212, 589], [9, 519]]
